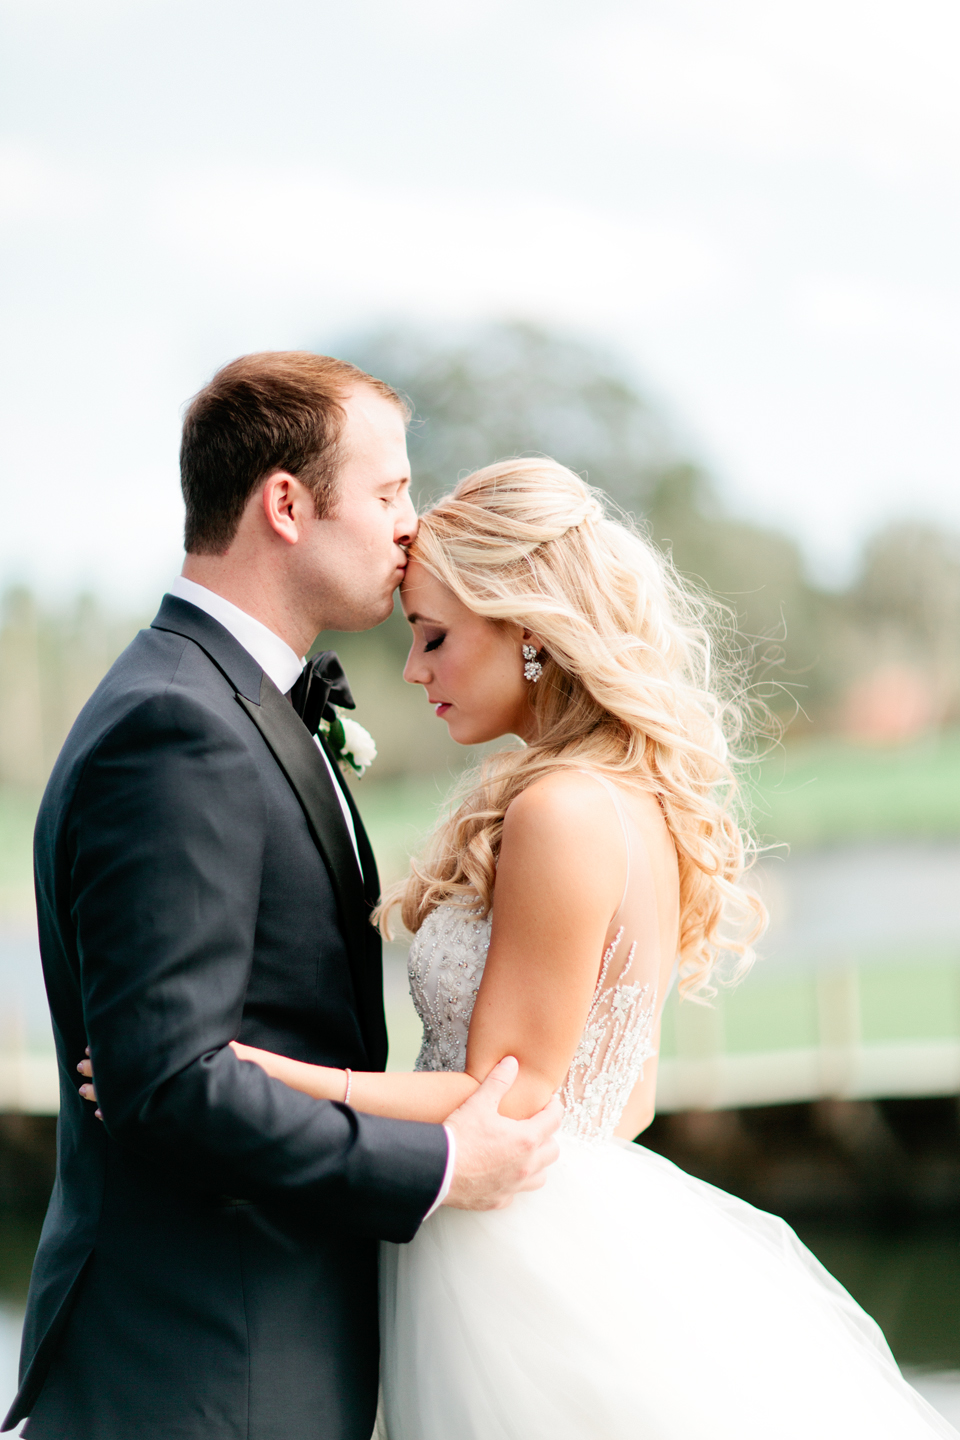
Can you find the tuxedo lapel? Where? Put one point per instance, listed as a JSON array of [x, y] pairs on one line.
[[371, 879], [369, 984], [296, 753]]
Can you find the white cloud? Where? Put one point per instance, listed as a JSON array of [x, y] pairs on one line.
[[876, 82], [855, 309], [36, 188], [389, 248]]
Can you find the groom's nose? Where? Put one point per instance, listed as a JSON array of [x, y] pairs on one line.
[[406, 526]]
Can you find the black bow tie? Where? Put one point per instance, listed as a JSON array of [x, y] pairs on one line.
[[322, 684]]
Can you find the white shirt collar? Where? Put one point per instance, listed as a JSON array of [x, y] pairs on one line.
[[273, 655]]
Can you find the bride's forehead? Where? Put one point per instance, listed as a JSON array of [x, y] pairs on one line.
[[421, 593]]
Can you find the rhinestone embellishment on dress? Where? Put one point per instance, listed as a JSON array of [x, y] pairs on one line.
[[609, 1059], [445, 968]]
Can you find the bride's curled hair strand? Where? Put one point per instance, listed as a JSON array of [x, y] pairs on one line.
[[633, 685]]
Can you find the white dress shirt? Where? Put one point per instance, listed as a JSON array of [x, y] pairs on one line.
[[281, 663]]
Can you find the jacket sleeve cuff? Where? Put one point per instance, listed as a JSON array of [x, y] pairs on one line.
[[447, 1180]]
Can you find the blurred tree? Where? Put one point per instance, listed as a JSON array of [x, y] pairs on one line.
[[514, 388], [50, 662], [785, 620], [904, 610], [22, 758]]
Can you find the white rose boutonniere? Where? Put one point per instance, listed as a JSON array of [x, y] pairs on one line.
[[350, 743]]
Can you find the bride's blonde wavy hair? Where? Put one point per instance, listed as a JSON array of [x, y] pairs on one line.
[[631, 686]]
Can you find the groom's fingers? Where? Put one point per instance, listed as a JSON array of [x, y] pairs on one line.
[[546, 1147], [498, 1157], [499, 1080], [541, 1132], [547, 1122], [541, 1128], [88, 1091]]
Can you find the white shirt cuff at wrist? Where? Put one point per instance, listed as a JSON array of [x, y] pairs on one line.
[[447, 1181]]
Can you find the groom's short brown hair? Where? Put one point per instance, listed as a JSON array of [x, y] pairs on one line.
[[279, 410]]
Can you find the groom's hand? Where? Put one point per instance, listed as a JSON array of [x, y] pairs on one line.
[[497, 1158]]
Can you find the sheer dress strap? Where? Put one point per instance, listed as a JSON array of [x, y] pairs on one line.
[[612, 791]]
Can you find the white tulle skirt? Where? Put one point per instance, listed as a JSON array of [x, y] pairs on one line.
[[627, 1299]]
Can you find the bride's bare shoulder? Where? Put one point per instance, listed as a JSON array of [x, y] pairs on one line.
[[561, 805], [559, 845], [569, 808]]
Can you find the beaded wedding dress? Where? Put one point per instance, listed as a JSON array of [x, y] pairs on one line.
[[625, 1300]]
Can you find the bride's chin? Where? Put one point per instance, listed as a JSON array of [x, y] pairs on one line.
[[475, 734], [461, 737], [461, 730]]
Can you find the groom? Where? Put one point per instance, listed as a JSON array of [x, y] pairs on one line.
[[208, 1264]]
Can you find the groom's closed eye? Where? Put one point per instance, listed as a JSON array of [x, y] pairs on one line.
[[395, 493]]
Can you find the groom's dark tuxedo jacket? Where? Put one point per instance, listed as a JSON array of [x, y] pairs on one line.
[[208, 1264]]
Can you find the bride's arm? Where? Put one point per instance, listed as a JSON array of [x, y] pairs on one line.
[[560, 876], [559, 879], [421, 1095]]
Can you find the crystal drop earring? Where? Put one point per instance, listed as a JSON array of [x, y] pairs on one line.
[[532, 669]]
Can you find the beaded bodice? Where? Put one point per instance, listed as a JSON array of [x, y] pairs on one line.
[[445, 969]]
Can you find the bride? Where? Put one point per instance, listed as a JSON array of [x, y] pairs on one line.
[[624, 1299]]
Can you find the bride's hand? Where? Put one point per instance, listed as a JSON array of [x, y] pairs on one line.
[[87, 1091]]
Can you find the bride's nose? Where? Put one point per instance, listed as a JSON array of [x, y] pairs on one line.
[[417, 671]]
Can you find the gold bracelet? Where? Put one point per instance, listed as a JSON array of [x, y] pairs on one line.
[[346, 1096]]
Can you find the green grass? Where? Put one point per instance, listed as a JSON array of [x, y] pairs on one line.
[[398, 814], [827, 791], [821, 792], [907, 997]]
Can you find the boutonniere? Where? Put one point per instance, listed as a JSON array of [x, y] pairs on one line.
[[350, 743]]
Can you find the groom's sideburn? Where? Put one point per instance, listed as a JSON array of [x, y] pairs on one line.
[[208, 1264]]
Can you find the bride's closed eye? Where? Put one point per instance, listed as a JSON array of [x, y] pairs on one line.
[[433, 644]]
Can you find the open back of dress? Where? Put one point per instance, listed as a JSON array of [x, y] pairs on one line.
[[619, 1033]]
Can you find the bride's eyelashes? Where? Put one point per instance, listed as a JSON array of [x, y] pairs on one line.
[[433, 644]]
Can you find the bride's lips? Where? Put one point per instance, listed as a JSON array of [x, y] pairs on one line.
[[441, 707]]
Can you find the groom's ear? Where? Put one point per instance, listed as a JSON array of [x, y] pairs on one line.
[[285, 503]]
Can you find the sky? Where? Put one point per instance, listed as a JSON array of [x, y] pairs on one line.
[[757, 204]]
